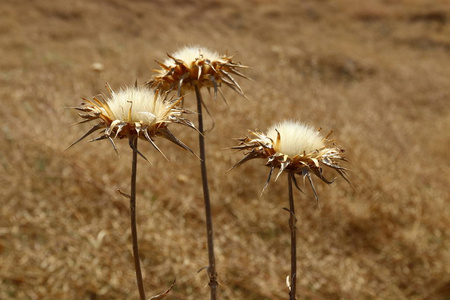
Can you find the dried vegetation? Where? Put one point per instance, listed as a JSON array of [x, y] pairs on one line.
[[377, 73]]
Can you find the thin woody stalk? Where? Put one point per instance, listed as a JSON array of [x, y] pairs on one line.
[[137, 263], [197, 67], [209, 227], [293, 228]]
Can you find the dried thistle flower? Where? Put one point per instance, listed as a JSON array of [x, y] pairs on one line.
[[133, 112], [294, 147], [193, 68], [194, 65]]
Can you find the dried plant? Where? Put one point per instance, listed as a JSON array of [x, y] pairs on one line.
[[133, 113], [195, 68], [294, 147], [297, 149]]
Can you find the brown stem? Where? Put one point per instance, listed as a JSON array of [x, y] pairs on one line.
[[293, 228], [137, 263], [209, 227]]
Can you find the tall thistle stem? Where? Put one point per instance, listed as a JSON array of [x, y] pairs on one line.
[[137, 263], [293, 228], [209, 227]]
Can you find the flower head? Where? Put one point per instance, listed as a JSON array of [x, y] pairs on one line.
[[294, 147], [195, 65], [134, 112]]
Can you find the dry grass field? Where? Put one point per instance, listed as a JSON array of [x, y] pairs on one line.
[[377, 72]]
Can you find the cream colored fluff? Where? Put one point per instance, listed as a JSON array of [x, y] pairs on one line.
[[190, 54], [138, 105], [295, 138]]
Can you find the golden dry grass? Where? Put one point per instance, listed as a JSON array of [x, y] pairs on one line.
[[377, 73]]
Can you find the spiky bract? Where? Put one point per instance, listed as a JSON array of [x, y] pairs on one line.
[[194, 65], [294, 147], [133, 112]]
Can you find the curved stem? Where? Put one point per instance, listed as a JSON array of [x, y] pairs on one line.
[[209, 227], [293, 228], [137, 263]]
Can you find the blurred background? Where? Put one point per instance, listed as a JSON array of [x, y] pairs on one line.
[[376, 72]]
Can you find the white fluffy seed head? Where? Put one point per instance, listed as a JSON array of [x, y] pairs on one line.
[[295, 138], [138, 105], [190, 54]]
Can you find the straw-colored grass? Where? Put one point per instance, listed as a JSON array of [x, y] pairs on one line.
[[377, 73]]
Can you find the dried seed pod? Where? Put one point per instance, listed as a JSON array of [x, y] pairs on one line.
[[195, 65], [294, 147], [133, 112]]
